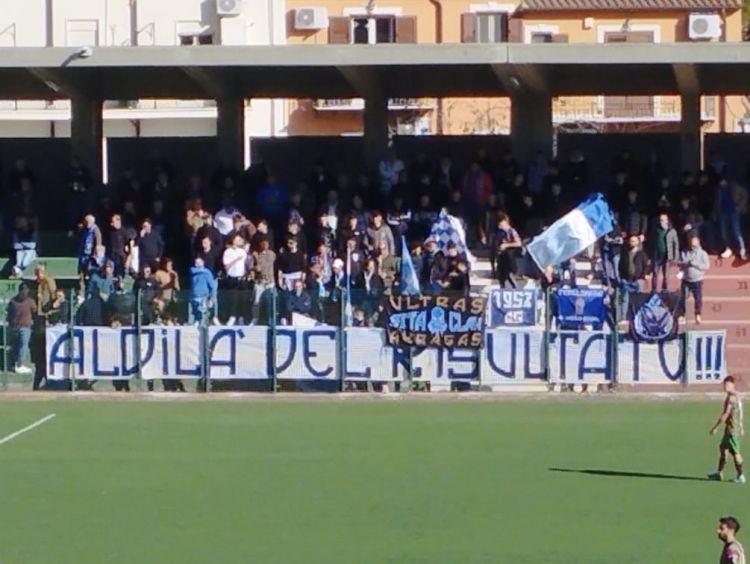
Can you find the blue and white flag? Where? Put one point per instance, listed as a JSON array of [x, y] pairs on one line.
[[409, 280], [572, 233], [448, 229]]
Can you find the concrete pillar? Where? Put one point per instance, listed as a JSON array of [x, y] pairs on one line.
[[376, 129], [530, 127], [230, 131], [690, 132], [87, 134]]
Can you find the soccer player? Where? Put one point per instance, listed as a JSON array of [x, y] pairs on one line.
[[731, 417], [732, 553]]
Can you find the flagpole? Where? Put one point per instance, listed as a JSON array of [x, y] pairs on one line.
[[348, 306]]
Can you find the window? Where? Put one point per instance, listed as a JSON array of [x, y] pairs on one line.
[[492, 28], [373, 30], [82, 33], [197, 39], [541, 37]]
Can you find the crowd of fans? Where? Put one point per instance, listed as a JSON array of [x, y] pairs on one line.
[[277, 251]]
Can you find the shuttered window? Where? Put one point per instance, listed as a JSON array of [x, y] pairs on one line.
[[492, 27], [364, 30]]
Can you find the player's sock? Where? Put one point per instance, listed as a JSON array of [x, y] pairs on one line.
[[738, 467], [722, 463]]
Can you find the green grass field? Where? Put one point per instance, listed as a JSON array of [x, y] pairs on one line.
[[361, 482]]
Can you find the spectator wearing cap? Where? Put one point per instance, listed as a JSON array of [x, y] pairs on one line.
[[20, 317], [203, 294], [24, 245], [337, 285], [265, 263]]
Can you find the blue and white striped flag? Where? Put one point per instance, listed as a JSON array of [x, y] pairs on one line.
[[572, 233], [409, 280], [448, 229]]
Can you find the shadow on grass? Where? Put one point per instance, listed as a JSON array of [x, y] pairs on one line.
[[620, 474]]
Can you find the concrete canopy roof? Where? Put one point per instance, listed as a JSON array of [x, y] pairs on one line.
[[334, 71]]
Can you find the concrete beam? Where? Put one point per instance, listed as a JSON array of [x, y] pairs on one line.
[[517, 79], [365, 81], [208, 81], [687, 79]]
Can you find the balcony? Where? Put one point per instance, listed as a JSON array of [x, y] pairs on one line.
[[358, 104], [625, 109]]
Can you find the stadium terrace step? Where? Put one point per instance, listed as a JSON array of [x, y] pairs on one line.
[[723, 308], [57, 267], [729, 267], [735, 286]]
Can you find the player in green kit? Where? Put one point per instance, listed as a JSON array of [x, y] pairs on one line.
[[731, 418]]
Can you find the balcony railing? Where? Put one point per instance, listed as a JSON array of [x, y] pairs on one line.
[[603, 109], [358, 104]]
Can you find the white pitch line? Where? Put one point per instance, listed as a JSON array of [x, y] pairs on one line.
[[34, 425]]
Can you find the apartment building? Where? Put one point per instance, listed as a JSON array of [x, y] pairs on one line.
[[73, 23], [527, 21]]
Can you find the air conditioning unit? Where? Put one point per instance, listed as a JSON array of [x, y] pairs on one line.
[[704, 26], [310, 18], [227, 8]]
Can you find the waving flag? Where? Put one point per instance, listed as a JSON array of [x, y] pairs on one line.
[[409, 280], [448, 229], [572, 233]]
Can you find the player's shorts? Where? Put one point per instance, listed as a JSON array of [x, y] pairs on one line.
[[731, 443]]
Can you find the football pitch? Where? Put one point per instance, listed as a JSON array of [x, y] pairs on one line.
[[340, 482]]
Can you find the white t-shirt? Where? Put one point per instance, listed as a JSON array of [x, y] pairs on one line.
[[239, 268]]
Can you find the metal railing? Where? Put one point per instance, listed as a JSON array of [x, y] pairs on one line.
[[267, 340]]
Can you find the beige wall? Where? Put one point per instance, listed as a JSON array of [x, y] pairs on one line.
[[492, 115]]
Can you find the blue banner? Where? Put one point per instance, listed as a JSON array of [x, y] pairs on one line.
[[581, 306], [513, 307]]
